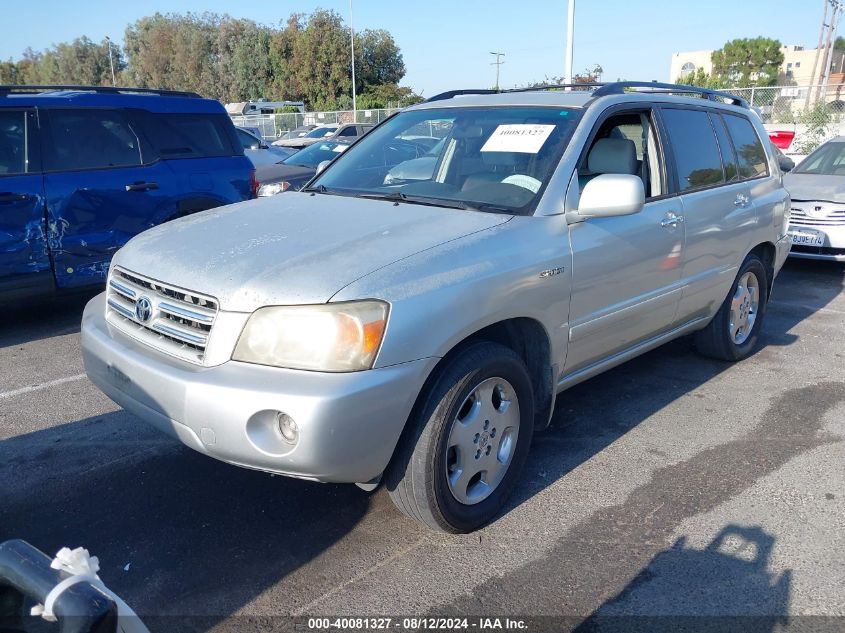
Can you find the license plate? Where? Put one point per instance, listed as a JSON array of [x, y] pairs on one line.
[[807, 238]]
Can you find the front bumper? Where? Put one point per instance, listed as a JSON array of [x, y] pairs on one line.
[[833, 248], [349, 423]]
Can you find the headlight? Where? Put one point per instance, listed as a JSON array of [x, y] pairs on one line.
[[331, 337], [272, 188]]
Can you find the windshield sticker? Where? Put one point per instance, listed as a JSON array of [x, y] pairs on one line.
[[526, 138]]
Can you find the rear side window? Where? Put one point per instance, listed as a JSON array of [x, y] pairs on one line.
[[751, 156], [694, 148], [349, 131], [190, 135], [90, 139], [13, 142]]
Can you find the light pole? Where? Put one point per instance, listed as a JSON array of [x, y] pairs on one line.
[[111, 62], [570, 34], [498, 64], [352, 45]]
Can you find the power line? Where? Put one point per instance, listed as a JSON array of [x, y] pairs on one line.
[[498, 63]]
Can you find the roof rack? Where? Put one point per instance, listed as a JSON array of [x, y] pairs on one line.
[[8, 89], [603, 89], [618, 87], [492, 91]]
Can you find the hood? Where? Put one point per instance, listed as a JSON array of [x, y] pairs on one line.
[[296, 248], [278, 171], [815, 187]]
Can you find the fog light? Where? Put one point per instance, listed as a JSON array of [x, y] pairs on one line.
[[287, 427]]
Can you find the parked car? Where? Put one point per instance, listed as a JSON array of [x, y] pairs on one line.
[[259, 152], [296, 170], [82, 170], [418, 334], [817, 187], [256, 132], [348, 130], [302, 130]]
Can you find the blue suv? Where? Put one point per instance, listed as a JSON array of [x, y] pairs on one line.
[[84, 169]]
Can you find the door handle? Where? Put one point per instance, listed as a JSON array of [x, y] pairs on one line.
[[741, 200], [8, 196], [671, 220], [142, 186]]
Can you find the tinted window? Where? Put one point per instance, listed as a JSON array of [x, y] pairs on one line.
[[247, 140], [349, 131], [13, 142], [726, 147], [90, 139], [751, 157], [190, 135], [694, 147]]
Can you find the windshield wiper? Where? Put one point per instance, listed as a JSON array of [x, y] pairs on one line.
[[429, 201], [318, 189]]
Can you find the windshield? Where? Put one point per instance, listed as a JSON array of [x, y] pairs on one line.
[[828, 160], [315, 154], [320, 132], [491, 158]]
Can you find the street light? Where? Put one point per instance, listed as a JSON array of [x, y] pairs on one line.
[[498, 65], [111, 62], [570, 34]]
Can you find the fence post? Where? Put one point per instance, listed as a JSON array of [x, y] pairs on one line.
[[752, 97]]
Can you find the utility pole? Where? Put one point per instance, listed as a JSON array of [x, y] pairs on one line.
[[570, 35], [111, 63], [352, 45], [498, 64], [831, 40]]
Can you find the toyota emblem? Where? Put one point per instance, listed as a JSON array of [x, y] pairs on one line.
[[143, 309]]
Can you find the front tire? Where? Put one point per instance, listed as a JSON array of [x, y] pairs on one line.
[[733, 332], [466, 442]]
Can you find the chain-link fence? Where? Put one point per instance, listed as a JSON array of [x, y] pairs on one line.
[[273, 126], [813, 113]]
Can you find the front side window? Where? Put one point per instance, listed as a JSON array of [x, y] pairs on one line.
[[750, 154], [694, 147], [91, 139], [13, 142], [491, 159]]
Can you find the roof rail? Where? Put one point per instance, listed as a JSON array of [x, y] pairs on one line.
[[9, 89], [618, 87], [603, 89], [492, 91]]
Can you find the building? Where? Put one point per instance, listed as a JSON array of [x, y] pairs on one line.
[[797, 68]]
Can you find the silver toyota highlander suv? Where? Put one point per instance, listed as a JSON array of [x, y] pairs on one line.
[[418, 332]]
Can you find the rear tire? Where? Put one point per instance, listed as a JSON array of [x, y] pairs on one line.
[[734, 331], [466, 441]]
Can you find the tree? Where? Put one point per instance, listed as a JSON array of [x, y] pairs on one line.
[[378, 60], [748, 62], [701, 79]]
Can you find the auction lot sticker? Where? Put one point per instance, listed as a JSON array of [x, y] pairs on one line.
[[526, 138]]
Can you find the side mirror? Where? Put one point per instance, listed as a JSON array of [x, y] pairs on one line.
[[785, 163], [610, 195], [255, 146], [323, 165]]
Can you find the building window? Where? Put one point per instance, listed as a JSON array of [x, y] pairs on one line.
[[687, 68], [798, 64]]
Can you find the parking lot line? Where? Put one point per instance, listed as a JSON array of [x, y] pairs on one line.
[[40, 386]]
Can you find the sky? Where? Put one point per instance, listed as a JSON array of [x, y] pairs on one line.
[[446, 44]]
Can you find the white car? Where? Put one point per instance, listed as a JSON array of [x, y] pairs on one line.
[[817, 187]]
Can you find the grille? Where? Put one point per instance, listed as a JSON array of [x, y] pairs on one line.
[[178, 321], [827, 216]]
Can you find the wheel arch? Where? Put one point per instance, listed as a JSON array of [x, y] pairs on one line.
[[767, 252]]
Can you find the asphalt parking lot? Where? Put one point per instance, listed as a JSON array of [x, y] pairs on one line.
[[672, 485]]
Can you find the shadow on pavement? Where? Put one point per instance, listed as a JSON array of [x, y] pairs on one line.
[[35, 319], [725, 587]]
